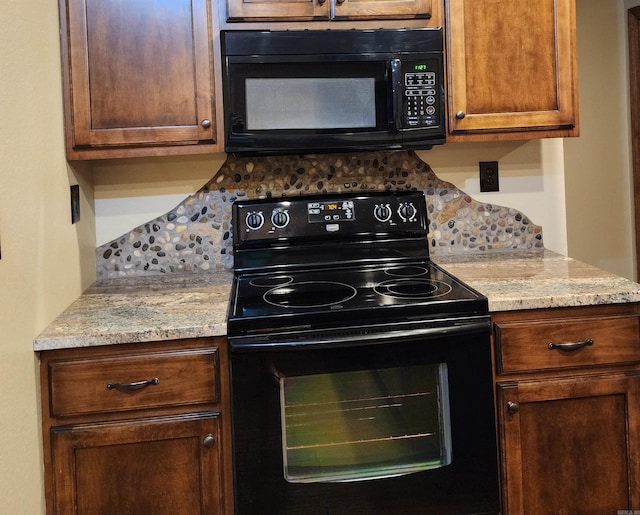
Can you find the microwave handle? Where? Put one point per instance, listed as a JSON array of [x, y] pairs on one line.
[[395, 67]]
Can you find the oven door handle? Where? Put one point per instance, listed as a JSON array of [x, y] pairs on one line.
[[365, 336]]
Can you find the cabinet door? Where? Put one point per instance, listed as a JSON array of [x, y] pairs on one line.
[[512, 65], [292, 10], [162, 465], [570, 445], [139, 72], [381, 9]]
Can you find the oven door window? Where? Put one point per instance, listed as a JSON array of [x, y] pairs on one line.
[[366, 424]]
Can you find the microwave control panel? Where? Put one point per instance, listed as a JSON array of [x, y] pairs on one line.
[[421, 102]]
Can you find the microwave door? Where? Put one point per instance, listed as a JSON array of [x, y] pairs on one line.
[[309, 105]]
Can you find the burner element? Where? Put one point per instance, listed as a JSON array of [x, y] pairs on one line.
[[406, 271], [310, 294], [412, 288], [271, 282]]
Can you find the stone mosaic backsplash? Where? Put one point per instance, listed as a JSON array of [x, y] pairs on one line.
[[195, 236]]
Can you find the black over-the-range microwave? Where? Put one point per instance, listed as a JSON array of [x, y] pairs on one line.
[[312, 91]]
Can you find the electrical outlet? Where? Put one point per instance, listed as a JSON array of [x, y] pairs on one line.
[[75, 203], [489, 176]]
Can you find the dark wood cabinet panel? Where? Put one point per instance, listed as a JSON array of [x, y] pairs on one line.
[[570, 445], [319, 10], [142, 447], [137, 75], [265, 10], [145, 380], [164, 466], [512, 69], [569, 417], [546, 344]]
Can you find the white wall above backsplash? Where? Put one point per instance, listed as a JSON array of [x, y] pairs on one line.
[[531, 176]]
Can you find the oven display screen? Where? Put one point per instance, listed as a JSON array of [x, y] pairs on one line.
[[338, 211]]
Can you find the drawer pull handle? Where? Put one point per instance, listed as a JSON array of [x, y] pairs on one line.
[[132, 387], [571, 346], [512, 407], [209, 441]]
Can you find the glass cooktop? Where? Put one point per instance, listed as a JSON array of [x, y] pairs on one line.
[[346, 296]]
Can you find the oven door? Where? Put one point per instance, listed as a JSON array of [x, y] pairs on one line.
[[400, 427]]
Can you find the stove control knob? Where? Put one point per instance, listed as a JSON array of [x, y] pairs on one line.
[[280, 218], [254, 220], [407, 211], [382, 212]]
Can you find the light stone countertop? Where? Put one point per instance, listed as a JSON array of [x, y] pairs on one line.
[[142, 309], [168, 307], [538, 279]]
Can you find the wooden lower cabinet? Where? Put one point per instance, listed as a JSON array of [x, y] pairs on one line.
[[137, 429], [568, 408], [570, 445], [163, 465]]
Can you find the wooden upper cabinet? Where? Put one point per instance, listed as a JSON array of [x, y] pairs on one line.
[[247, 10], [137, 74], [511, 68], [301, 10]]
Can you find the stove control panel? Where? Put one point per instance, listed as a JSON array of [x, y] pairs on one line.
[[324, 211], [351, 216]]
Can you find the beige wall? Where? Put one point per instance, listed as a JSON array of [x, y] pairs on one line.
[[46, 261], [130, 192], [598, 176], [531, 179]]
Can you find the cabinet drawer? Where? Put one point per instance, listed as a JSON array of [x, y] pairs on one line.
[[148, 380], [567, 343]]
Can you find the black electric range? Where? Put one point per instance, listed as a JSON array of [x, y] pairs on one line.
[[337, 268]]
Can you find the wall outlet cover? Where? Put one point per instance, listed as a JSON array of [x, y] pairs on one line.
[[489, 180]]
